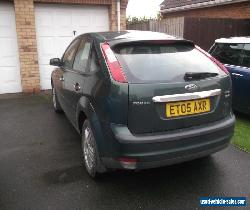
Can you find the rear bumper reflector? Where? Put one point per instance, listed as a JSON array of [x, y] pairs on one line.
[[128, 163]]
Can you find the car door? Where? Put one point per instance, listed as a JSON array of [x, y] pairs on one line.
[[241, 79], [231, 55], [74, 80], [67, 65]]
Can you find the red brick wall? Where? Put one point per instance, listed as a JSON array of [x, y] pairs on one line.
[[113, 15], [124, 5], [26, 35], [237, 10]]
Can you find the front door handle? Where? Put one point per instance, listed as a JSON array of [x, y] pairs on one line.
[[77, 87], [61, 78]]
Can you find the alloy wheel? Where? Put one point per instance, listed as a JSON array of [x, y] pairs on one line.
[[88, 149]]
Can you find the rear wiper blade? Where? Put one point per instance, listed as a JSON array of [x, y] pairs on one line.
[[198, 75]]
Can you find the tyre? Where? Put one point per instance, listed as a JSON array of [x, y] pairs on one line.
[[90, 153], [56, 104]]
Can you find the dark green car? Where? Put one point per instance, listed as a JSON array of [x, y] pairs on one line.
[[142, 99]]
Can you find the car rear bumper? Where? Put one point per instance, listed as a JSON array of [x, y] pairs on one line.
[[171, 147]]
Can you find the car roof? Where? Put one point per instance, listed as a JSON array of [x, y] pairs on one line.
[[132, 35], [234, 40]]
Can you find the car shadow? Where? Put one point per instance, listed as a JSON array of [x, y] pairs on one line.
[[199, 173], [192, 172], [176, 183]]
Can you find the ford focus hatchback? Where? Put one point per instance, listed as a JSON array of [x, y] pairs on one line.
[[142, 99]]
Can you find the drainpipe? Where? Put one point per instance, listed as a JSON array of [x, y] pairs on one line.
[[118, 10]]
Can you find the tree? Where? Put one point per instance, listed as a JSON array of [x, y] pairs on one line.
[[133, 20]]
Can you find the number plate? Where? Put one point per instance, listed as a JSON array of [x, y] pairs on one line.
[[184, 108]]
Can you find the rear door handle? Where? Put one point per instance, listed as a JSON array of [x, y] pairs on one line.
[[61, 78], [77, 87], [237, 75]]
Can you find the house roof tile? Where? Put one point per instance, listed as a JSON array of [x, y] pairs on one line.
[[177, 3], [168, 4]]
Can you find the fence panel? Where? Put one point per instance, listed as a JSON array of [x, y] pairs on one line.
[[204, 31], [139, 26], [172, 26]]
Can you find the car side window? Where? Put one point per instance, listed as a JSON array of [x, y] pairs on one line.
[[82, 56], [69, 55], [228, 53], [94, 66], [246, 56]]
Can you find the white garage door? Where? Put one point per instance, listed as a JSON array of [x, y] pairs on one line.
[[57, 25], [10, 81]]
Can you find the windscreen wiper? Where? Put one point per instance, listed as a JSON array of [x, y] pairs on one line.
[[189, 76]]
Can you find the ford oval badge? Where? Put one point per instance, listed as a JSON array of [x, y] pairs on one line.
[[191, 87]]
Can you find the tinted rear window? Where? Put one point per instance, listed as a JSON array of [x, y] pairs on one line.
[[162, 63], [227, 53]]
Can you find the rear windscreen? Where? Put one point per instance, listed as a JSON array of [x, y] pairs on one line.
[[162, 63]]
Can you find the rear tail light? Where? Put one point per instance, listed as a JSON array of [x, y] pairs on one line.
[[218, 63], [128, 163], [113, 64]]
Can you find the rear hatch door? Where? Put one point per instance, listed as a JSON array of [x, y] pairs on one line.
[[172, 86]]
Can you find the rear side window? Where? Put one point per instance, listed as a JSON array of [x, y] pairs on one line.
[[246, 56], [94, 66], [162, 63], [81, 60], [69, 54], [228, 53]]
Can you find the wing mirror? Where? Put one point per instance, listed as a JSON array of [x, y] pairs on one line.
[[55, 62]]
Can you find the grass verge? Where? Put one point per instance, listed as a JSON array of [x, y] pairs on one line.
[[242, 132]]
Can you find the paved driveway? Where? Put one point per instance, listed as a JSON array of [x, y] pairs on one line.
[[41, 168]]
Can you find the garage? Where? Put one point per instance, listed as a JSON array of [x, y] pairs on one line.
[[10, 80], [57, 25], [34, 31]]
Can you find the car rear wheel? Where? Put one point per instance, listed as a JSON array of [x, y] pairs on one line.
[[90, 153], [56, 104]]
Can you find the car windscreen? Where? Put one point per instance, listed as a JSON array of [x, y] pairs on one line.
[[146, 62], [227, 53]]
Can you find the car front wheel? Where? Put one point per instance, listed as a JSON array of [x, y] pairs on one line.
[[56, 104]]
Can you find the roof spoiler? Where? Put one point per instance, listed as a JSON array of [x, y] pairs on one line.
[[114, 43]]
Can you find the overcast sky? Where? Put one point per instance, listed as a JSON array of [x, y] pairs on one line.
[[140, 8]]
